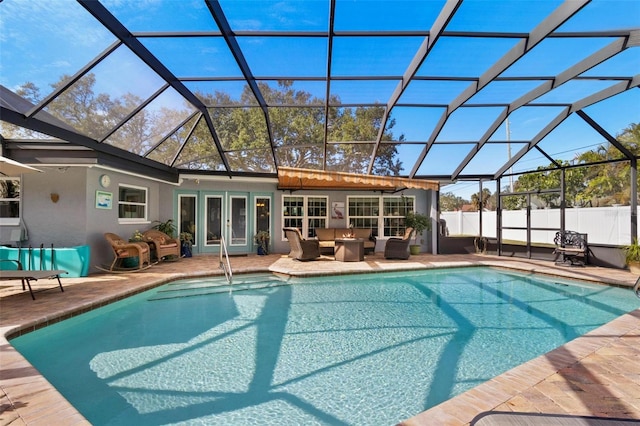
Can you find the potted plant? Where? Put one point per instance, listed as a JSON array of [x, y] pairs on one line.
[[186, 239], [136, 237], [632, 256], [166, 227], [262, 241], [419, 223], [133, 261]]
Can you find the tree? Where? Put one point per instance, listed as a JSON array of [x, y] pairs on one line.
[[78, 106], [296, 119], [488, 201], [298, 132], [610, 183], [547, 177], [450, 202]]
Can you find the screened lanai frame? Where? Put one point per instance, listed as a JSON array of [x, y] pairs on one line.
[[451, 76]]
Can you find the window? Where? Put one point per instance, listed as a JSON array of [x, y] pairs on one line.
[[9, 201], [293, 212], [132, 204], [394, 211], [365, 212], [316, 214], [305, 213]]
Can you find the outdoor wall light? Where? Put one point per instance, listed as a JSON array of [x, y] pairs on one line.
[[55, 197]]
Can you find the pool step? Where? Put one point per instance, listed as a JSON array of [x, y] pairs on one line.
[[216, 285]]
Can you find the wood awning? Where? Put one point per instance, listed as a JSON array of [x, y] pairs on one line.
[[296, 179]]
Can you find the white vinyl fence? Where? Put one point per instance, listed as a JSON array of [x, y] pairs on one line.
[[603, 225]]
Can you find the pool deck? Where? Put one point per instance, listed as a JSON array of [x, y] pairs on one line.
[[594, 375]]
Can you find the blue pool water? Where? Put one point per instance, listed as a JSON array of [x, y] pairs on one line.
[[346, 350]]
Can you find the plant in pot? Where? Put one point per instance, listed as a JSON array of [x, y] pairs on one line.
[[419, 223], [186, 239], [167, 227], [262, 241], [132, 262], [632, 256]]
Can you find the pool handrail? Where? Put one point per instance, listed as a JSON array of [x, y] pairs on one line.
[[636, 290], [228, 273]]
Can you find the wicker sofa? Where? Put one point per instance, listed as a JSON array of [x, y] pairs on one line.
[[327, 236]]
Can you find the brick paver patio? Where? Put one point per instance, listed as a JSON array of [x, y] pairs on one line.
[[596, 374]]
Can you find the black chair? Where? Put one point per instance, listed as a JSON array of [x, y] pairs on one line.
[[301, 249], [398, 248]]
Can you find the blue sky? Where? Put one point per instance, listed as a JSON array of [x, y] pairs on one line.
[[44, 39]]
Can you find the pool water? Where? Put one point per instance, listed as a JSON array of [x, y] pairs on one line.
[[369, 349]]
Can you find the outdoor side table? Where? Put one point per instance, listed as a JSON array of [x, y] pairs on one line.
[[349, 249]]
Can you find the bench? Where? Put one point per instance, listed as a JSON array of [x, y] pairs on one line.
[[572, 246]]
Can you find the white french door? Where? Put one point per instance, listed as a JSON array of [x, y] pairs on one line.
[[237, 221], [214, 219]]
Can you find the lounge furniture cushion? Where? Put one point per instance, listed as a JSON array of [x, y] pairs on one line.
[[164, 245], [123, 249], [325, 234]]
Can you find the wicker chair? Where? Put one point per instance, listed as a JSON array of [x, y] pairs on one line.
[[398, 248], [123, 249], [164, 244], [301, 249]]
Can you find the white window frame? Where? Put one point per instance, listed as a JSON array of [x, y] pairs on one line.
[[305, 217], [286, 217], [131, 220], [320, 217], [196, 224], [381, 214], [241, 240], [354, 219], [256, 199], [12, 221], [396, 216], [207, 219]]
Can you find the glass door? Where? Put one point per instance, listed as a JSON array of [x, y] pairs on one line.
[[263, 214], [237, 222], [187, 222], [262, 224], [213, 220], [237, 216]]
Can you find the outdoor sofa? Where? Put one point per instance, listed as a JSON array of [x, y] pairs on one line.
[[327, 237]]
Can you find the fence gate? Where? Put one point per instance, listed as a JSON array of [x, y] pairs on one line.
[[520, 235]]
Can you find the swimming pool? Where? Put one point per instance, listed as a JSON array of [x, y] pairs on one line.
[[363, 349]]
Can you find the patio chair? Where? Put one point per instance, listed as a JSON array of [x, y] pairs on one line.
[[398, 248], [164, 245], [123, 249], [301, 249]]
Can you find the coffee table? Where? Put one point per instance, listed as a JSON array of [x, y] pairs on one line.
[[349, 249]]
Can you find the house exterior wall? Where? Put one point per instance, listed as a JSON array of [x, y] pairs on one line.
[[62, 223], [75, 219], [100, 221]]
